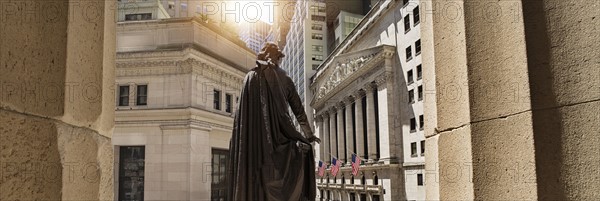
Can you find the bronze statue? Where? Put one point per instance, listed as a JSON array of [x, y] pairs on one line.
[[269, 159]]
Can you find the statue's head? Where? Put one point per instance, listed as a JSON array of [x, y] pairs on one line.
[[270, 52]]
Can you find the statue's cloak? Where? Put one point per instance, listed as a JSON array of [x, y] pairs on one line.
[[265, 161]]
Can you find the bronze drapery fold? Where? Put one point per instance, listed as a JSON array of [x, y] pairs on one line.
[[267, 161]]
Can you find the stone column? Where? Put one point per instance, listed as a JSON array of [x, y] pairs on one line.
[[326, 141], [371, 122], [57, 100], [341, 134], [360, 135], [349, 130], [320, 134], [333, 133], [386, 140], [539, 96]]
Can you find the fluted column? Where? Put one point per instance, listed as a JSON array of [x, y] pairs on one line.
[[333, 133], [341, 132], [358, 121], [349, 128], [371, 123], [319, 120], [326, 141], [386, 134]]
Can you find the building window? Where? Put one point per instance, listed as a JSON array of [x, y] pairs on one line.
[[413, 125], [420, 179], [418, 47], [317, 57], [317, 27], [317, 36], [406, 24], [131, 172], [413, 149], [421, 122], [142, 95], [411, 96], [228, 100], [422, 147], [217, 99], [409, 76], [219, 179], [317, 9], [183, 7], [139, 16], [404, 3], [419, 72], [319, 18], [420, 92], [123, 95], [416, 16], [408, 54], [317, 48]]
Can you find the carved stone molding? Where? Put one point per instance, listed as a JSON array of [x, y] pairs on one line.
[[141, 66], [345, 69]]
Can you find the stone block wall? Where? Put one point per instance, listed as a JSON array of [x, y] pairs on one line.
[[56, 100]]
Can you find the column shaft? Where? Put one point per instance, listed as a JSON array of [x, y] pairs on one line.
[[371, 125], [326, 141], [360, 130], [333, 135], [341, 134], [349, 131]]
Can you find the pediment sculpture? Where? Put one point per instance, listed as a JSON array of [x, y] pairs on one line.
[[341, 72]]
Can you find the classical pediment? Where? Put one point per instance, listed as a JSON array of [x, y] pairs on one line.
[[344, 68]]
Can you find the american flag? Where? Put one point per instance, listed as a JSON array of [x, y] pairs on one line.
[[355, 164], [335, 166], [321, 168]]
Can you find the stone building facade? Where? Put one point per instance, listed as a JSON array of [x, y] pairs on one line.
[[177, 83], [367, 101]]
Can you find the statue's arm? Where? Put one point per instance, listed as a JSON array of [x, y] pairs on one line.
[[298, 109]]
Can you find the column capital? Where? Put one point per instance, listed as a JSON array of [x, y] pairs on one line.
[[349, 100], [383, 79], [319, 118], [370, 87], [341, 105], [358, 94], [333, 110]]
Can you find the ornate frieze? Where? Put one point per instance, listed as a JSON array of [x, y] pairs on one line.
[[174, 62]]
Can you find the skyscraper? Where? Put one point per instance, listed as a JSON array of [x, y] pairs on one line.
[[255, 34]]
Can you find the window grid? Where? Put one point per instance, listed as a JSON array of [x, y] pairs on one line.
[[217, 100], [413, 149], [142, 95], [123, 95]]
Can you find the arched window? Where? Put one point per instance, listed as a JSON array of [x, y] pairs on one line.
[[375, 180]]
